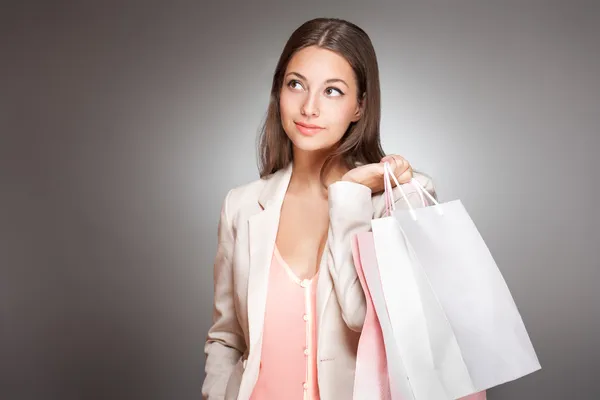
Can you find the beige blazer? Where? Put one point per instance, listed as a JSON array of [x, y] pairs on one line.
[[247, 231]]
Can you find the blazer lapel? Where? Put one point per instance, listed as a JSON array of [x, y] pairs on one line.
[[324, 285], [262, 232]]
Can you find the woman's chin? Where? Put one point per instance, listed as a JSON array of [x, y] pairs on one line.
[[314, 146], [311, 143]]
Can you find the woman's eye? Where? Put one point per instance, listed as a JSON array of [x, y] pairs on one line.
[[331, 91], [294, 84]]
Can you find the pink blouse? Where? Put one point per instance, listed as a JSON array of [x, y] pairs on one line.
[[288, 368]]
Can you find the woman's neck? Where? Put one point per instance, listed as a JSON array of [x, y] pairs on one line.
[[307, 169]]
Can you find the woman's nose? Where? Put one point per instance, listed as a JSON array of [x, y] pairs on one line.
[[311, 106]]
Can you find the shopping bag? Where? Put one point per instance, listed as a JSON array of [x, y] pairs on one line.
[[371, 380], [372, 340], [454, 321]]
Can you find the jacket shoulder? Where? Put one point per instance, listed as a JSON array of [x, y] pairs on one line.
[[244, 195], [426, 181], [411, 192], [243, 200]]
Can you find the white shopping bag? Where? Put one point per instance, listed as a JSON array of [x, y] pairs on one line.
[[454, 321]]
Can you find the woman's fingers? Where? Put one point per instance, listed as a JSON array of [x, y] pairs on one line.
[[401, 167]]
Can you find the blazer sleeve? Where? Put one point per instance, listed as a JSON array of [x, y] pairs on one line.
[[225, 342], [351, 209], [350, 212]]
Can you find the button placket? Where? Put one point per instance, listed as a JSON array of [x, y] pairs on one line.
[[308, 342]]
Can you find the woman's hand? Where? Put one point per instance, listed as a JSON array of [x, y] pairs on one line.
[[371, 175]]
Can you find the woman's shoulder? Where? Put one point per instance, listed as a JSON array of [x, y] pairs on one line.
[[247, 195], [425, 180], [410, 191]]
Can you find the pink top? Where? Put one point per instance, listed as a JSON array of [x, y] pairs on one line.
[[288, 368]]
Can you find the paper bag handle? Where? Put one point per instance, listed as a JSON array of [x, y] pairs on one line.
[[389, 194]]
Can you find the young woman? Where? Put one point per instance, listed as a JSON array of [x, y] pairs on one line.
[[288, 305]]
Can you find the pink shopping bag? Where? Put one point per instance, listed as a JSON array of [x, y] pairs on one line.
[[371, 376]]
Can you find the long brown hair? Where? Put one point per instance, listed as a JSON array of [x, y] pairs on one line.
[[360, 144]]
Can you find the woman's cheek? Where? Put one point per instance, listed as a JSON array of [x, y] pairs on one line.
[[343, 116]]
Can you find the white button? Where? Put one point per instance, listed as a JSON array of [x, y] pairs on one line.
[[305, 352], [305, 317], [304, 283], [305, 386]]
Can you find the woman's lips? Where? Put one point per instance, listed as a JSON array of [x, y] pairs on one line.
[[307, 129]]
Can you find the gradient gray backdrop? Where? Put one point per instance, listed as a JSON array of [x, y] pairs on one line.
[[124, 124]]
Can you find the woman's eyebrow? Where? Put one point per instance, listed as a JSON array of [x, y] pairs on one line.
[[297, 74], [333, 80], [337, 80]]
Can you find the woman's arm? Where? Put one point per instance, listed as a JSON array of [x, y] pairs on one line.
[[225, 343], [351, 209], [350, 212]]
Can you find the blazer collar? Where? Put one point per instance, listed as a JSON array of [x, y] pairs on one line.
[[275, 187]]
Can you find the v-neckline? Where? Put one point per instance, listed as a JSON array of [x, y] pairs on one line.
[[291, 272]]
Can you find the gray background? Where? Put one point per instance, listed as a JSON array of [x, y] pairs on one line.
[[124, 124]]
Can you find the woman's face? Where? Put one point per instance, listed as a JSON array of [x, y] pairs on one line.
[[318, 99]]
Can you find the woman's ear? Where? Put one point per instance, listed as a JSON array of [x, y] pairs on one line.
[[359, 108]]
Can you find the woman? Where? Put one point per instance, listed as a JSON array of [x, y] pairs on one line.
[[288, 306]]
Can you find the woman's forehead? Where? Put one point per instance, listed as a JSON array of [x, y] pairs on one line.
[[318, 65]]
